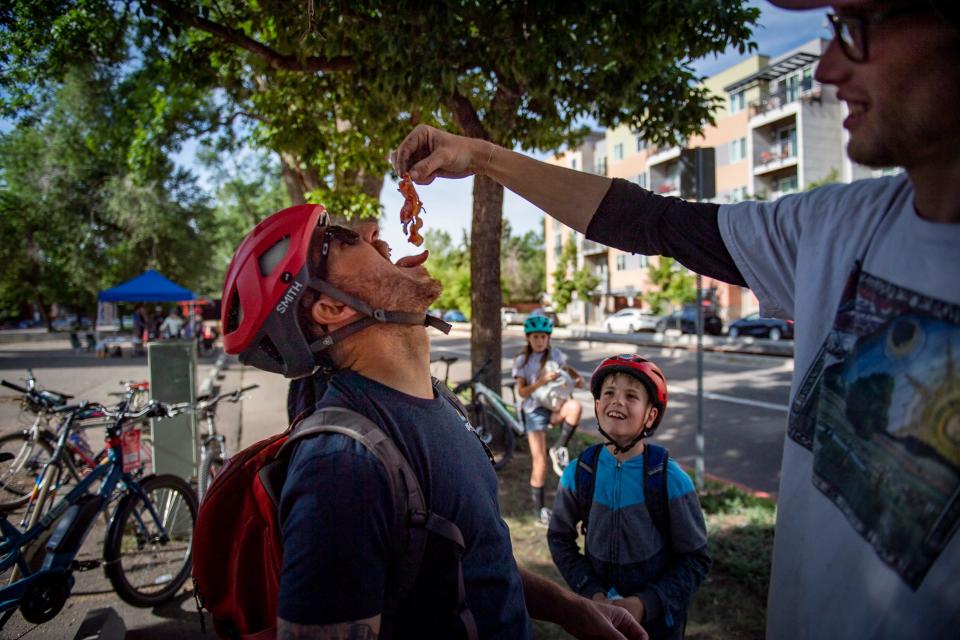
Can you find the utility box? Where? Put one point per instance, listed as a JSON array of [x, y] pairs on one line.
[[698, 173], [173, 378]]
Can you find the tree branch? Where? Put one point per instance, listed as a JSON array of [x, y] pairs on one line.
[[229, 120], [466, 117], [276, 60]]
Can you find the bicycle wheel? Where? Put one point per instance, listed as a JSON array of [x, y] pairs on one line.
[[494, 433], [147, 560], [17, 476]]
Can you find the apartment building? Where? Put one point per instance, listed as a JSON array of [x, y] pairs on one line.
[[777, 132]]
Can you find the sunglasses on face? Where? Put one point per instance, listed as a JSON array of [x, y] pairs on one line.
[[324, 236]]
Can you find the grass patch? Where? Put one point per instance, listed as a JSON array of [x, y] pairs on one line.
[[731, 603]]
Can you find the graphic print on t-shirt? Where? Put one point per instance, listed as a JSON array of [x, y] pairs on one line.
[[880, 411]]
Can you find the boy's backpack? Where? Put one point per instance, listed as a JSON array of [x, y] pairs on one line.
[[237, 547], [654, 485]]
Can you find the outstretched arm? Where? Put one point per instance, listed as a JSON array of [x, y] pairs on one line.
[[578, 616], [570, 196]]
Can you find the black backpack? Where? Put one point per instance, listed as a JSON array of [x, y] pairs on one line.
[[654, 485]]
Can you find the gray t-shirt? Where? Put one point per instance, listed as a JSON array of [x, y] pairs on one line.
[[530, 370], [869, 500]]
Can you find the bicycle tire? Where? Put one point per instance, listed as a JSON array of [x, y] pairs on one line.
[[18, 476], [495, 433], [143, 570]]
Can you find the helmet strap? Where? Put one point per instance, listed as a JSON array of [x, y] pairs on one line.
[[374, 316]]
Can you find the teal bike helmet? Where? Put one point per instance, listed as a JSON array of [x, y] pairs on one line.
[[538, 324]]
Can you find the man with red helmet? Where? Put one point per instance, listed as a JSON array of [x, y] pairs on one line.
[[300, 294], [660, 561], [867, 517]]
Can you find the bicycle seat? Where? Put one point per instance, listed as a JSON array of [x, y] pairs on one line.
[[6, 455]]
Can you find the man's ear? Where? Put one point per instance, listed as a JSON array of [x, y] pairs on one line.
[[327, 311], [596, 409]]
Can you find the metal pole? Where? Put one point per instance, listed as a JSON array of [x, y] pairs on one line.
[[699, 468]]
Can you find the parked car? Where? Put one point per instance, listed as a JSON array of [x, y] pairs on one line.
[[509, 315], [454, 315], [685, 320], [548, 312], [630, 320], [759, 327], [69, 321]]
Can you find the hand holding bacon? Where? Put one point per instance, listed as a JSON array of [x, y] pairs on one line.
[[410, 212]]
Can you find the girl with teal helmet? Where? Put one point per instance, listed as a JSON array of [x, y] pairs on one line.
[[538, 365], [538, 324]]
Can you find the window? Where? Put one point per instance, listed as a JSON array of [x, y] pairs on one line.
[[738, 149], [618, 151], [573, 164], [601, 168], [641, 144], [738, 194], [736, 102], [621, 262], [642, 180]]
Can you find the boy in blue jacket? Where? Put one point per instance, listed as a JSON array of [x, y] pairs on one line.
[[646, 545]]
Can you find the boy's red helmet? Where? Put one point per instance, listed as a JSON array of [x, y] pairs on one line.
[[266, 277], [645, 371]]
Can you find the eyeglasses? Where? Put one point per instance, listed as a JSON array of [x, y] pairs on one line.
[[851, 31]]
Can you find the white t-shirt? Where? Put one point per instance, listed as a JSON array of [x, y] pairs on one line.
[[530, 370], [869, 500]]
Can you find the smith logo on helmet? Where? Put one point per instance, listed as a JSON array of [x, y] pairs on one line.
[[289, 296]]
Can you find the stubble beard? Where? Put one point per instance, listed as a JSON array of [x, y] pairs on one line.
[[392, 291]]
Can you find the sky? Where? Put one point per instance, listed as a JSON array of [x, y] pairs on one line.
[[448, 203]]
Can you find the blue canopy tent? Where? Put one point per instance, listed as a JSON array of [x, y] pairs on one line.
[[149, 286]]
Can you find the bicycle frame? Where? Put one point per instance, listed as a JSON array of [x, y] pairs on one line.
[[72, 530], [499, 405]]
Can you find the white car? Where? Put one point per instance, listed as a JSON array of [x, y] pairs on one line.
[[630, 321]]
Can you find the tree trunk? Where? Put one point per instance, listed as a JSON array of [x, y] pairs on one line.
[[485, 294]]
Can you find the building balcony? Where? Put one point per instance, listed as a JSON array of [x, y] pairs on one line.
[[659, 155], [773, 158], [805, 90], [668, 189], [591, 248]]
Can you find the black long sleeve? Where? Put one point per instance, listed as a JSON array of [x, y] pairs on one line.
[[633, 219]]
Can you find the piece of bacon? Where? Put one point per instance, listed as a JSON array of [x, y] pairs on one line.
[[410, 211]]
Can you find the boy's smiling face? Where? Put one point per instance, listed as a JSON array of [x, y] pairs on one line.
[[624, 409]]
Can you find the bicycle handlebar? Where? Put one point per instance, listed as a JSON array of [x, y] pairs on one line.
[[15, 387]]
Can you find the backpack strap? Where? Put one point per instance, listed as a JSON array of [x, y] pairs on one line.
[[655, 488], [443, 391], [584, 482], [413, 519]]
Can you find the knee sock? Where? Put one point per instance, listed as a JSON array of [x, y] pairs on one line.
[[566, 432], [536, 493]]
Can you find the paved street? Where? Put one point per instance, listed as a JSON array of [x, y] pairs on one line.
[[745, 405]]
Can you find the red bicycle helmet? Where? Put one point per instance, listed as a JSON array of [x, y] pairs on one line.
[[269, 273], [647, 373]]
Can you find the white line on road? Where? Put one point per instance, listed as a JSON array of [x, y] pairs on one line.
[[722, 398]]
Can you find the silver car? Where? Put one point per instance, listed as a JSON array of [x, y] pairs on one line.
[[630, 320]]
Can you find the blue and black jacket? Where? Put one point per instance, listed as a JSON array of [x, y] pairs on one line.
[[623, 551]]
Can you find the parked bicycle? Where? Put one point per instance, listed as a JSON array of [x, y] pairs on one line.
[[31, 447], [146, 549], [214, 452], [496, 421]]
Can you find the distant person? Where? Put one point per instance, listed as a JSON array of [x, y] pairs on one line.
[[172, 325], [154, 321], [139, 324], [867, 516], [648, 513], [538, 365]]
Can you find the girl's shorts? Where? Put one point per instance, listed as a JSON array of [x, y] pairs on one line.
[[536, 420]]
